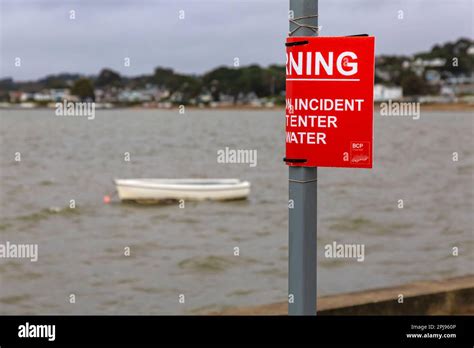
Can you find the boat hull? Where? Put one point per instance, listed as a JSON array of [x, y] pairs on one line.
[[185, 189]]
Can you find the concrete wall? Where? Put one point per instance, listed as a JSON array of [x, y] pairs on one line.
[[453, 296]]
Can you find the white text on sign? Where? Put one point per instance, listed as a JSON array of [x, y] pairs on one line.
[[293, 120], [303, 64]]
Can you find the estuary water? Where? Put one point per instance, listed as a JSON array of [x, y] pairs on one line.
[[190, 250]]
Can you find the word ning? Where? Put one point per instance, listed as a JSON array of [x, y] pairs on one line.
[[312, 63]]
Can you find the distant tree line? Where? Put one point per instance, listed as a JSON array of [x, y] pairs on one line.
[[235, 81], [458, 62]]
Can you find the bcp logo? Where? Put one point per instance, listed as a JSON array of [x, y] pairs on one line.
[[360, 152]]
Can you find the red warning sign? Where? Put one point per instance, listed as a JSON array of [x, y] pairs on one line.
[[329, 101]]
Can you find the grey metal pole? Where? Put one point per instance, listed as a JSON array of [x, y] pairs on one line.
[[303, 193]]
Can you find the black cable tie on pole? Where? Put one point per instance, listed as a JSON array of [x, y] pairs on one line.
[[357, 35], [297, 43], [294, 160]]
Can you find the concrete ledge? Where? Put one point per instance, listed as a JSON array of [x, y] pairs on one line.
[[445, 297]]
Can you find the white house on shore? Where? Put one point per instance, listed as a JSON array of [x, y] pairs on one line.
[[383, 93]]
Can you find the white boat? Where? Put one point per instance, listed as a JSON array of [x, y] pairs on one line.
[[145, 190]]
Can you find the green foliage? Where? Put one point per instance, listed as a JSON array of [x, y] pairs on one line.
[[244, 80], [449, 51], [109, 78], [56, 83], [59, 81], [188, 86], [84, 89], [412, 84]]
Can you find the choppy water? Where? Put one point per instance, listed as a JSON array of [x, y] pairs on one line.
[[190, 251]]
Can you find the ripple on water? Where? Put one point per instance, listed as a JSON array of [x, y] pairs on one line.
[[5, 226], [465, 169], [46, 213], [14, 299], [275, 271], [331, 263], [363, 225], [242, 292], [351, 224], [12, 265], [206, 264], [212, 263]]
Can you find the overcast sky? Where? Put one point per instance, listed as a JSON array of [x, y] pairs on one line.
[[212, 33]]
